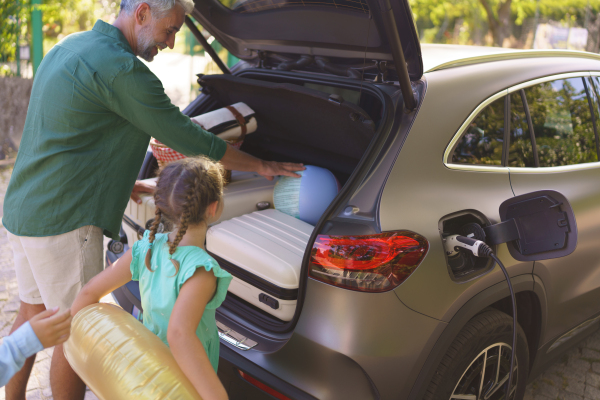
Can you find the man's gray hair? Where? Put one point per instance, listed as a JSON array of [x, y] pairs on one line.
[[158, 7]]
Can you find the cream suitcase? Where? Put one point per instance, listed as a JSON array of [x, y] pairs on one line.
[[263, 251], [241, 196]]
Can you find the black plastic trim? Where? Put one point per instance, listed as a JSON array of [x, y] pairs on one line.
[[531, 132], [501, 233]]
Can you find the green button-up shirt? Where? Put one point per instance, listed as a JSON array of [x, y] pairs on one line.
[[93, 108]]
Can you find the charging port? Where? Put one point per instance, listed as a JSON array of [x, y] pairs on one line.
[[463, 266]]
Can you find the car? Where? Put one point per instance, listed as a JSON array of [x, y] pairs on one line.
[[427, 142]]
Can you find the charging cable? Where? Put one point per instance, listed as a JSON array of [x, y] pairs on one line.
[[452, 244]]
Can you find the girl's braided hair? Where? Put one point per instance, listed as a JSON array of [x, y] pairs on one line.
[[184, 190]]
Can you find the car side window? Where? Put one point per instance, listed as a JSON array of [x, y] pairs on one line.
[[520, 151], [562, 122], [593, 87], [482, 142]]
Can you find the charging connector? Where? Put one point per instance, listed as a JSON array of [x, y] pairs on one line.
[[452, 245]]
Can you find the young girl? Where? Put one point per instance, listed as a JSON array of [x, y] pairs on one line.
[[180, 284]]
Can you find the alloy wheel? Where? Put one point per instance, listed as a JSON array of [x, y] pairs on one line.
[[486, 377]]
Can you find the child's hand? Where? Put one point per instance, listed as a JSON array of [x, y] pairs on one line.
[[51, 328]]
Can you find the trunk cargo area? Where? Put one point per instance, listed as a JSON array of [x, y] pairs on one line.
[[305, 122]]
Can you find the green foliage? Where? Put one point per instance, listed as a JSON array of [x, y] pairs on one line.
[[59, 18], [63, 17], [15, 17], [436, 19]]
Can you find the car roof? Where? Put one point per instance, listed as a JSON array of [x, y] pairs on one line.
[[443, 56]]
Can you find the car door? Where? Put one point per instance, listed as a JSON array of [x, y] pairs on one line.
[[561, 112]]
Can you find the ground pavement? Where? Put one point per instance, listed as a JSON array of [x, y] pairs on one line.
[[575, 377]]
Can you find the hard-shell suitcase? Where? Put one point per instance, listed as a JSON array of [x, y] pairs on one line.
[[263, 251]]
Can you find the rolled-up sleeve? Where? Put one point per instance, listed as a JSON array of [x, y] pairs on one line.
[[139, 97], [15, 349]]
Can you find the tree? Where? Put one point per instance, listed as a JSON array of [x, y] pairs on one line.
[[498, 17], [59, 18], [15, 17]]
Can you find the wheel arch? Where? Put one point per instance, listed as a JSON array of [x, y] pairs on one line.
[[531, 302], [529, 317]]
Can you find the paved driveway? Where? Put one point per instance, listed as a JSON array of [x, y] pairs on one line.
[[575, 377]]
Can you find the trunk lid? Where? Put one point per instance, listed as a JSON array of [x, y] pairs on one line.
[[298, 34]]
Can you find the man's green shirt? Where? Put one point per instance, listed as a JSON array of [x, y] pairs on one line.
[[93, 108]]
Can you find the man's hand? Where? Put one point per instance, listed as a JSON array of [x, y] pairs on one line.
[[270, 169], [51, 328], [141, 187], [236, 160]]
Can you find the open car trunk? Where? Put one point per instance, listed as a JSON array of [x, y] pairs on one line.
[[320, 121]]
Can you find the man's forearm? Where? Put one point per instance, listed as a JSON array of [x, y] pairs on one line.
[[236, 160]]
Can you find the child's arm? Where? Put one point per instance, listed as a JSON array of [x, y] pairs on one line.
[[185, 345], [43, 330], [104, 283]]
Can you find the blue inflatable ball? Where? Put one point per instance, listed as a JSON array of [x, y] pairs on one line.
[[308, 197]]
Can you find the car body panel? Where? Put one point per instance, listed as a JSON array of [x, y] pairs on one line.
[[572, 282], [451, 96], [349, 344], [443, 56]]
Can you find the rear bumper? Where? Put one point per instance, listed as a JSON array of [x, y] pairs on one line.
[[230, 363]]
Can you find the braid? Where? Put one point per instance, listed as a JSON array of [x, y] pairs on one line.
[[153, 230], [184, 190], [189, 208], [155, 224]]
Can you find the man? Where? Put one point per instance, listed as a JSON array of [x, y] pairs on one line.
[[93, 108]]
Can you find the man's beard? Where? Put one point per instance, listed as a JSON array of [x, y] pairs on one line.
[[145, 43]]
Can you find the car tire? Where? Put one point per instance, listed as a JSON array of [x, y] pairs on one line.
[[488, 336]]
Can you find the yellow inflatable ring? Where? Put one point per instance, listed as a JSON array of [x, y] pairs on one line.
[[120, 359]]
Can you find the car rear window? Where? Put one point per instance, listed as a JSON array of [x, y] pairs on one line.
[[483, 139], [252, 6]]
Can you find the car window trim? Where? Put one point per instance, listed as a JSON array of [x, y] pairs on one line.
[[548, 78], [591, 90], [536, 159], [506, 144], [553, 170], [447, 160]]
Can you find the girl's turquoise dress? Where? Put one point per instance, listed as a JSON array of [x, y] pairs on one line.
[[159, 289]]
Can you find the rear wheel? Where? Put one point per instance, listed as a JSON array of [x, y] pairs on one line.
[[477, 364]]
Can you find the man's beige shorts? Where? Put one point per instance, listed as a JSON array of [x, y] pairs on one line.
[[51, 270]]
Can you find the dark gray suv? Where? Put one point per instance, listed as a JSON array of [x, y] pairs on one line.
[[427, 142]]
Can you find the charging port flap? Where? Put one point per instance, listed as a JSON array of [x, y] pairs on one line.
[[545, 223]]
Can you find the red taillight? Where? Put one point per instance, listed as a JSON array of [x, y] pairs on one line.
[[263, 387], [367, 263]]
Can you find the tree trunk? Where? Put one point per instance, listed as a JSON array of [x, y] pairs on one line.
[[593, 42], [500, 25]]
